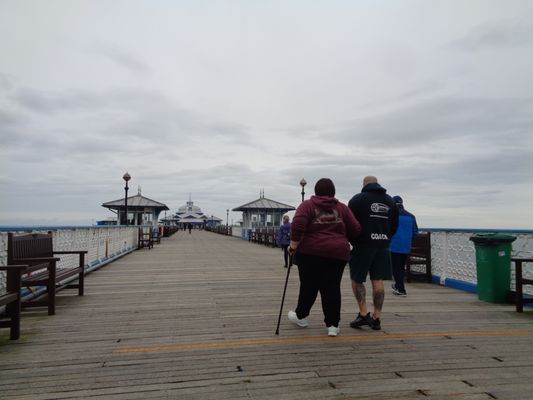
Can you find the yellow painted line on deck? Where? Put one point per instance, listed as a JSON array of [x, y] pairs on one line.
[[282, 341]]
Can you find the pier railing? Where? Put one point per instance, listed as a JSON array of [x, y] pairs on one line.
[[453, 254], [103, 244]]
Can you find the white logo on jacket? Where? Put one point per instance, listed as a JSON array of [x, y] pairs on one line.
[[379, 208], [379, 236]]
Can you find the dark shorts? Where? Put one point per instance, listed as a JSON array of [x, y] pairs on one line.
[[377, 262]]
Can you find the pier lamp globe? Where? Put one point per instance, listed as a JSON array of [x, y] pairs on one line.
[[126, 177], [302, 184]]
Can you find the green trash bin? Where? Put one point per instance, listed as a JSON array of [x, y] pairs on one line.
[[493, 265]]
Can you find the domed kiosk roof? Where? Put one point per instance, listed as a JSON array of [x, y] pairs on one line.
[[189, 208], [190, 213]]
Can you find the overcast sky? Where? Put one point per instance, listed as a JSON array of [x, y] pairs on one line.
[[222, 99]]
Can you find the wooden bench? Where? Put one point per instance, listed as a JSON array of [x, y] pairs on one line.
[[420, 256], [11, 299], [520, 281], [36, 251], [156, 236], [145, 239], [271, 238]]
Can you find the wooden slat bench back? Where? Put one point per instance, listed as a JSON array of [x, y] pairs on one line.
[[520, 281], [36, 251], [420, 256]]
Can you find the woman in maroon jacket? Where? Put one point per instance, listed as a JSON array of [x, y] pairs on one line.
[[320, 234]]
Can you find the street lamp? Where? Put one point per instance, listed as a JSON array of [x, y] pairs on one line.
[[302, 184], [126, 177], [227, 217]]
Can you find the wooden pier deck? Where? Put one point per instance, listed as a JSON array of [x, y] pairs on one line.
[[194, 318]]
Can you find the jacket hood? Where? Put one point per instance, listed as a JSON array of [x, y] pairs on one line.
[[324, 202], [374, 187]]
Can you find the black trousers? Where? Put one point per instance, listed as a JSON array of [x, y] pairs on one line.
[[398, 270], [324, 275], [286, 256]]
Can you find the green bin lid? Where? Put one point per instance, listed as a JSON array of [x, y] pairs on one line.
[[492, 238]]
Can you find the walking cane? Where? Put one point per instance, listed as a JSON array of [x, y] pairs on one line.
[[283, 298]]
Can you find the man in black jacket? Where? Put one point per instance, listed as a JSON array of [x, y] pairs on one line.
[[378, 215]]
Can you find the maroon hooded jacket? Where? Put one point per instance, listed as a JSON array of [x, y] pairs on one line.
[[324, 227]]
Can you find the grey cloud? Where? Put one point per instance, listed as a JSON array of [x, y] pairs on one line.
[[47, 102], [215, 186], [5, 82], [11, 123], [498, 34], [8, 118], [431, 121], [121, 58], [87, 100], [493, 172], [120, 120], [503, 167]]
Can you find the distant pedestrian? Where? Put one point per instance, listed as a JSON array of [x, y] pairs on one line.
[[190, 227], [378, 215], [283, 240], [400, 246], [320, 234]]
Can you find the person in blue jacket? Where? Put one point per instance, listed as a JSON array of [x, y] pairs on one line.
[[284, 239], [400, 246]]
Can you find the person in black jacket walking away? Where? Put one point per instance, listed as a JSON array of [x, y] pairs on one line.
[[378, 216]]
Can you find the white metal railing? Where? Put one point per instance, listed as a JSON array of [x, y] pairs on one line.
[[103, 244], [453, 255]]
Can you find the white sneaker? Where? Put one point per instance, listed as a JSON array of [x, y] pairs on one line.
[[333, 331], [302, 323]]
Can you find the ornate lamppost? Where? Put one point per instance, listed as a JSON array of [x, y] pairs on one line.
[[126, 177], [302, 184], [227, 217]]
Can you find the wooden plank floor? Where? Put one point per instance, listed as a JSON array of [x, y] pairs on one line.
[[194, 318]]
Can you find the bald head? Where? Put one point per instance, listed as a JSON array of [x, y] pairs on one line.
[[369, 179]]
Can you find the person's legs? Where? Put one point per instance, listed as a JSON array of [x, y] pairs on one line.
[[359, 292], [395, 261], [286, 254], [309, 285], [330, 291], [398, 270], [378, 296], [359, 266], [380, 270]]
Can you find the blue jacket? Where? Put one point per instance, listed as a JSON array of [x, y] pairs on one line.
[[284, 234], [407, 230]]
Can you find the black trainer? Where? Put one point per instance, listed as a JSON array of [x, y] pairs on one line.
[[359, 321], [376, 324]]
